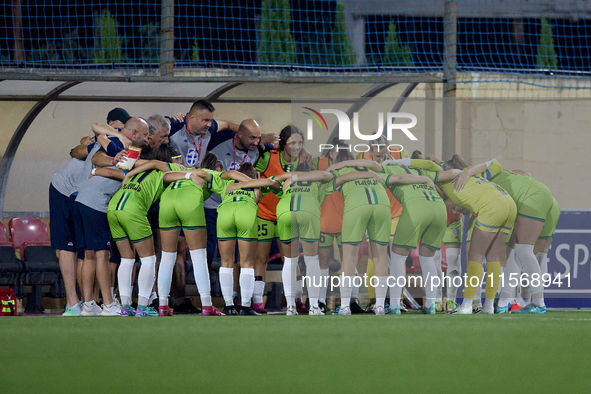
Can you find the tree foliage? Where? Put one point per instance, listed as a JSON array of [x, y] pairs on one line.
[[394, 54], [547, 57], [276, 44]]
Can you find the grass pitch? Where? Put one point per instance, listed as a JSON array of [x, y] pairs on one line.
[[306, 354]]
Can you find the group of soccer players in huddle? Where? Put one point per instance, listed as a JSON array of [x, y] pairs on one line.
[[219, 180]]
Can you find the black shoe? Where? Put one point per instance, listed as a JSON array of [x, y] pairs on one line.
[[230, 311], [248, 311], [155, 304], [356, 309], [186, 308], [370, 307], [322, 307]]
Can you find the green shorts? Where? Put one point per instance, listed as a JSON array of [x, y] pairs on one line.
[[453, 233], [424, 220], [537, 202], [551, 221], [182, 207], [236, 221], [327, 240], [373, 218], [298, 224], [127, 225], [394, 226], [267, 230]]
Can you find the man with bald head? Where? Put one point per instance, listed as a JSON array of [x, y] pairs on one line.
[[90, 216], [233, 149]]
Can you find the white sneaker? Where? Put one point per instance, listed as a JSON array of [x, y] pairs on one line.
[[291, 311], [315, 311], [90, 309], [113, 309]]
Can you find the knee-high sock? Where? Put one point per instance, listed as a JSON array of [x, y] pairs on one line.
[[371, 291], [146, 279], [454, 269], [437, 260], [199, 259], [124, 278], [355, 289], [246, 285], [259, 290], [325, 274], [398, 272], [543, 261], [381, 290], [288, 275], [429, 272], [313, 273], [167, 262], [510, 273], [227, 284], [525, 254], [493, 275], [473, 274], [346, 288]]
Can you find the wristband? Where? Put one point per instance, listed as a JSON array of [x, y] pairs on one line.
[[93, 171], [294, 178], [188, 175]]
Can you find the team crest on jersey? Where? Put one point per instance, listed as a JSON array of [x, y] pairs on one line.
[[456, 231], [192, 157]]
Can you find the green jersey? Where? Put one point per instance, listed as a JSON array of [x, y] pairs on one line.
[[247, 194], [301, 196], [516, 185], [210, 187], [140, 192], [360, 192], [410, 192]]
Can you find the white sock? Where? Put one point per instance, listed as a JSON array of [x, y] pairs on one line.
[[454, 269], [313, 273], [167, 262], [299, 285], [397, 270], [124, 279], [381, 290], [146, 279], [355, 289], [437, 260], [288, 275], [227, 284], [346, 289], [259, 290], [199, 259], [246, 285], [525, 254], [543, 261], [325, 275], [488, 305], [429, 271], [510, 273]]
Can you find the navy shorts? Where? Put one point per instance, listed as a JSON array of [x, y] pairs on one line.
[[92, 228], [61, 221]]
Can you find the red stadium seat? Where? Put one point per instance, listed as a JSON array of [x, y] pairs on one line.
[[27, 230]]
